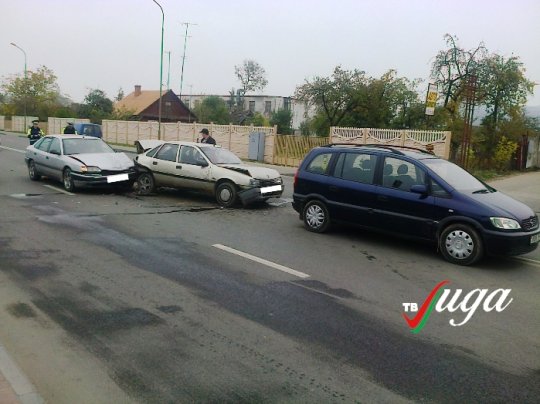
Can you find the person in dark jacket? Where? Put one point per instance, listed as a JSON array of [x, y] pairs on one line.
[[35, 132], [206, 138], [69, 129]]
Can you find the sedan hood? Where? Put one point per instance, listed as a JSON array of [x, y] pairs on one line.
[[105, 161], [503, 205], [260, 173]]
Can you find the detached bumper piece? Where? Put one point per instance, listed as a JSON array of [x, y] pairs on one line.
[[253, 195]]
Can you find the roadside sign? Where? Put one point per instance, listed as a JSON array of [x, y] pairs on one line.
[[431, 99]]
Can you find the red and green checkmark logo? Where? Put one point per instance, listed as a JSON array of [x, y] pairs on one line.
[[419, 320], [439, 299]]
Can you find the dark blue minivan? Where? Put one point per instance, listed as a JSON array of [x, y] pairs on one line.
[[88, 129], [412, 193]]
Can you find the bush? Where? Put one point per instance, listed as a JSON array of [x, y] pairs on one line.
[[503, 153]]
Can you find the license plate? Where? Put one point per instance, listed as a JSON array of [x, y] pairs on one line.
[[117, 177], [273, 188], [535, 238]]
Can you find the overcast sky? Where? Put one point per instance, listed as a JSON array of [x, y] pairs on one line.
[[112, 44]]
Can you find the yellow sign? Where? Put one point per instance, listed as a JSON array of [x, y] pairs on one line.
[[431, 99]]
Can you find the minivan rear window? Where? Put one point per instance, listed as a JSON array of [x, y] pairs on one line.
[[319, 164]]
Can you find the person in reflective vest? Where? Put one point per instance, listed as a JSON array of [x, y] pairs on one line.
[[69, 129], [35, 132]]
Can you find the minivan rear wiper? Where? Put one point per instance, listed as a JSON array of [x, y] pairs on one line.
[[481, 191]]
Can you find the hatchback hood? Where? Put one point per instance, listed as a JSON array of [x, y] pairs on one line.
[[260, 173], [105, 161], [503, 205]]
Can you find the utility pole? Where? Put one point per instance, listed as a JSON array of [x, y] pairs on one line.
[[190, 106], [25, 83], [187, 24], [169, 71]]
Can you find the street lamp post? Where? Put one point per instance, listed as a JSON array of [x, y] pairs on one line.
[[160, 68], [25, 83], [169, 71]]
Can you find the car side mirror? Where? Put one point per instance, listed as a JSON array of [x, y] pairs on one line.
[[202, 163], [419, 189], [57, 152]]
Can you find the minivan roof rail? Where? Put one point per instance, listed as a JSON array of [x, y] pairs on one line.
[[392, 148]]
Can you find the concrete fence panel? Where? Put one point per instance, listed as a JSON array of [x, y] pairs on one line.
[[232, 137], [21, 123], [56, 126], [438, 140]]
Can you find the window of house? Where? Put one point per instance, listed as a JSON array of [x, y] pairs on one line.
[[287, 103], [252, 106], [267, 107]]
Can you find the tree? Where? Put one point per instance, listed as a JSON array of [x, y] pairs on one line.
[[96, 106], [256, 119], [503, 87], [283, 119], [213, 109], [38, 92], [252, 76], [451, 69], [333, 97], [120, 94]]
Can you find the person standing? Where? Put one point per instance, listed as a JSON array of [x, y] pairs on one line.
[[35, 132], [206, 138], [69, 129]]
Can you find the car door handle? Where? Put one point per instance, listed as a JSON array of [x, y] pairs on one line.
[[333, 188], [382, 198], [179, 167], [154, 163], [47, 157]]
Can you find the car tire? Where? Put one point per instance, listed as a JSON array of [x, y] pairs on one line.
[[316, 216], [226, 194], [67, 179], [145, 183], [461, 244], [32, 171]]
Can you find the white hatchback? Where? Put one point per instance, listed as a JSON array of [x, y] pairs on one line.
[[207, 168]]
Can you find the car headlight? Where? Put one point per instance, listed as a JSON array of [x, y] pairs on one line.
[[504, 223], [278, 180], [90, 169], [254, 183]]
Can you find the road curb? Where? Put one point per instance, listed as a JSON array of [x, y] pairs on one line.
[[23, 388]]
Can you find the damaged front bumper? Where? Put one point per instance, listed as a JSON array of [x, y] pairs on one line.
[[257, 194]]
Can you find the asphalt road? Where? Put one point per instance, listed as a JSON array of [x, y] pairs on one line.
[[106, 296]]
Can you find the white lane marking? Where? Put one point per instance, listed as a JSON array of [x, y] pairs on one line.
[[529, 261], [12, 149], [262, 261], [58, 189]]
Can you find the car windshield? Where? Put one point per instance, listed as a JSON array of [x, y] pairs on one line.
[[218, 155], [456, 176], [81, 146]]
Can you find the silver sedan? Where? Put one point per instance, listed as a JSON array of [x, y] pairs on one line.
[[78, 161]]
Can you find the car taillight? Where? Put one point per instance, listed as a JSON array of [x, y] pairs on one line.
[[295, 178]]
